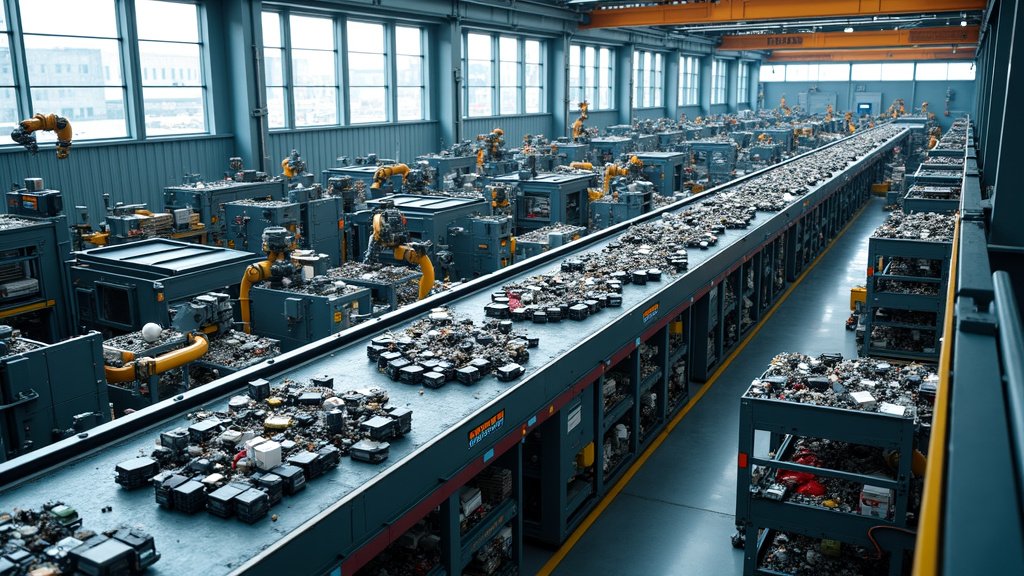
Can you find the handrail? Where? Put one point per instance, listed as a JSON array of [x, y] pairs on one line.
[[926, 550], [1011, 347]]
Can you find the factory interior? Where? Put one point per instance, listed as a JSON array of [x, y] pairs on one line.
[[500, 287]]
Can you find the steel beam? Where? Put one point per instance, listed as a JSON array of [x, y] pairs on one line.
[[866, 55], [942, 35], [746, 10]]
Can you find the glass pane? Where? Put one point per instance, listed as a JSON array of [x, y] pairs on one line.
[[479, 46], [173, 110], [367, 105], [533, 101], [605, 58], [772, 73], [574, 55], [410, 70], [533, 73], [508, 49], [6, 72], [931, 71], [865, 72], [960, 71], [796, 73], [647, 61], [273, 69], [898, 71], [479, 101], [316, 106], [272, 30], [316, 68], [307, 32], [275, 107], [366, 69], [509, 74], [606, 99], [509, 101], [365, 37], [79, 17], [8, 106], [590, 93], [407, 41], [410, 103], [3, 20], [94, 112], [833, 72], [167, 21], [533, 51], [178, 63], [479, 73], [57, 61]]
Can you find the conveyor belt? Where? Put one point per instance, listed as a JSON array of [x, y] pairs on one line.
[[328, 524]]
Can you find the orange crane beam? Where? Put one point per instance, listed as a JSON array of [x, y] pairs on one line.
[[868, 55], [747, 10], [942, 35]]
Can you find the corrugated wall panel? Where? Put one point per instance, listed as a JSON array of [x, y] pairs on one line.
[[131, 172], [649, 113], [602, 119], [321, 148], [515, 127]]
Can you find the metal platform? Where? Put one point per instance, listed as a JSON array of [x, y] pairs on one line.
[[351, 514]]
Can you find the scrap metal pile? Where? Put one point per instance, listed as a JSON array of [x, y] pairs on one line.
[[934, 192], [930, 226], [236, 349], [8, 222], [933, 161], [540, 235], [268, 444], [803, 556], [51, 541], [404, 280], [443, 347]]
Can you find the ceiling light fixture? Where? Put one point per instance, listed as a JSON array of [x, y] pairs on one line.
[[963, 23], [848, 29]]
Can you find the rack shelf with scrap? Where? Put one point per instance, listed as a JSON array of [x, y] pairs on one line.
[[785, 422], [371, 504], [650, 412], [905, 277], [678, 379]]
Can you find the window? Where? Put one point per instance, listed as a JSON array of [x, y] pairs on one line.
[[313, 81], [944, 71], [479, 84], [772, 73], [590, 77], [367, 73], [719, 82], [273, 70], [8, 91], [865, 72], [504, 75], [898, 71], [689, 81], [411, 85], [743, 82], [508, 76], [834, 72], [98, 45], [535, 77], [169, 35], [647, 79]]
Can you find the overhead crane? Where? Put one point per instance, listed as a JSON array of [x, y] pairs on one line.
[[358, 509]]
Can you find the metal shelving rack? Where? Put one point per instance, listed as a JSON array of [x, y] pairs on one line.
[[785, 421]]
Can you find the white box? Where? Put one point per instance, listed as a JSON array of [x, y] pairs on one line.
[[470, 499], [864, 399], [251, 444], [875, 502], [267, 455], [894, 409]]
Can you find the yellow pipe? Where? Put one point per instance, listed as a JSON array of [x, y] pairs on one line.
[[197, 346], [581, 165], [255, 273], [382, 175], [27, 308], [413, 257], [929, 539]]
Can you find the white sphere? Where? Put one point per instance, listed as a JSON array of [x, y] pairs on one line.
[[151, 332]]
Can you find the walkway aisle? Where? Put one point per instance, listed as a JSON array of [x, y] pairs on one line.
[[676, 514]]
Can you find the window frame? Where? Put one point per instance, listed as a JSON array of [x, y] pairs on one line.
[[719, 81], [591, 77], [743, 83], [648, 79], [495, 62]]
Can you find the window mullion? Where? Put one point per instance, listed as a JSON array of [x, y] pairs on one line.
[[19, 63], [131, 77], [286, 70]]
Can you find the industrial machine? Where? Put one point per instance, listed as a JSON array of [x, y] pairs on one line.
[[117, 289], [133, 222], [716, 158], [665, 170], [543, 239], [206, 198], [317, 222], [566, 152], [34, 244], [459, 235], [627, 199], [48, 392], [550, 198], [24, 133], [447, 165], [610, 148], [492, 159]]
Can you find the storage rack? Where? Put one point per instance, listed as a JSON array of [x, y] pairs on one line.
[[785, 421], [365, 506]]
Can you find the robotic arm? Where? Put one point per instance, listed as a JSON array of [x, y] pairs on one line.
[[389, 231], [23, 134], [578, 131]]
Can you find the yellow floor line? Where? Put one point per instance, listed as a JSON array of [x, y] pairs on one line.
[[560, 555]]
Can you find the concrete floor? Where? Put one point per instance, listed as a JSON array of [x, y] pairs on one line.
[[676, 514]]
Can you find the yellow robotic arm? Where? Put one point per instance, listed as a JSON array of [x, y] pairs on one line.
[[23, 134], [383, 174]]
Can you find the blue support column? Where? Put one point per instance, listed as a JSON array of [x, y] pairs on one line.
[[732, 84], [447, 82], [242, 32], [1008, 202], [624, 83], [672, 84], [558, 82], [1002, 36], [705, 84]]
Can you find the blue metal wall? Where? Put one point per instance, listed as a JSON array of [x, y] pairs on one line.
[[515, 127], [321, 147]]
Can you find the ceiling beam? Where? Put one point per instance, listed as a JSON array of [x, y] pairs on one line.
[[870, 55], [746, 10], [943, 35]]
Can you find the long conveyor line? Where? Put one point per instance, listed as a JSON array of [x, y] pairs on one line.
[[348, 515]]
